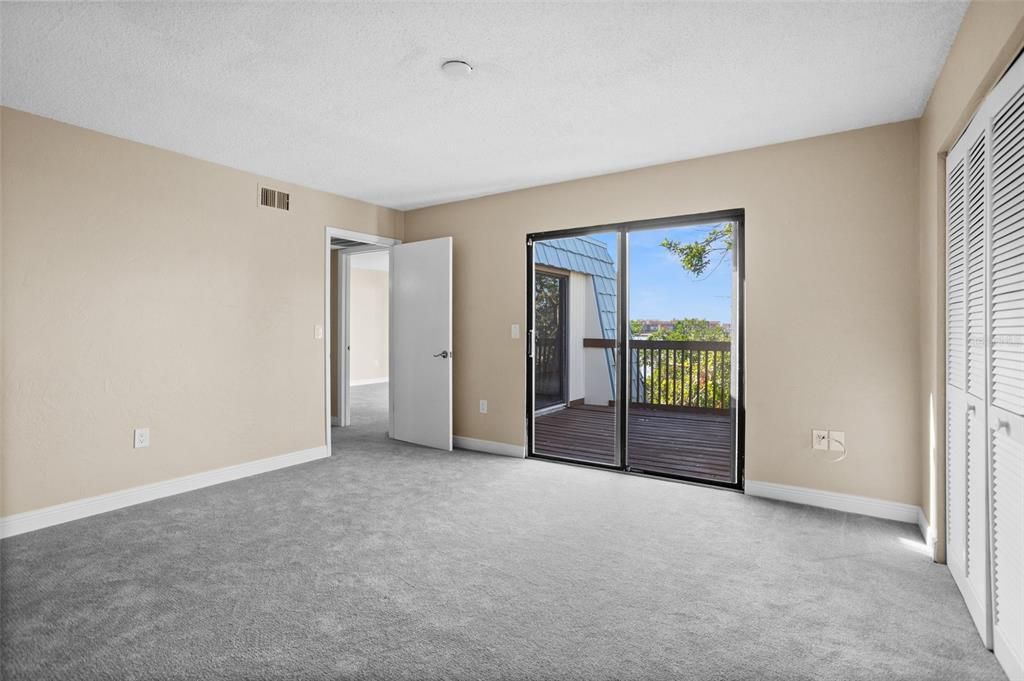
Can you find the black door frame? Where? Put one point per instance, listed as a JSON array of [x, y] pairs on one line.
[[563, 309], [736, 216]]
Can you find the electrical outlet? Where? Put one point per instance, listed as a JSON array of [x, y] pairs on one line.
[[837, 440], [819, 439], [318, 332], [483, 406], [141, 438], [515, 331]]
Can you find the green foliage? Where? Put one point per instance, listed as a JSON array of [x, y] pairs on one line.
[[696, 257], [684, 376], [692, 329], [547, 302], [636, 327]]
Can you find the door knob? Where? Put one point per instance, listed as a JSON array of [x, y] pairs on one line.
[[444, 354]]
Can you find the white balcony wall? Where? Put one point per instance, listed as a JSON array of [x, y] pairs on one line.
[[579, 284], [598, 387]]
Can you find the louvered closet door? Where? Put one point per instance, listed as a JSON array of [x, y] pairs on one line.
[[1006, 407], [956, 364], [977, 568]]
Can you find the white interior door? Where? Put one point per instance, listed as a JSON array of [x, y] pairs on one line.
[[421, 343]]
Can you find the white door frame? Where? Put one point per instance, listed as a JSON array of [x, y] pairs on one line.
[[373, 242], [344, 297]]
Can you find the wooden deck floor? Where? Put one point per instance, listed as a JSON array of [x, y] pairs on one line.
[[694, 444]]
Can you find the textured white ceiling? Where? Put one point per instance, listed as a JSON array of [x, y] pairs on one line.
[[349, 98]]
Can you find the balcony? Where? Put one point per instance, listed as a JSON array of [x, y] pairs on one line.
[[679, 416]]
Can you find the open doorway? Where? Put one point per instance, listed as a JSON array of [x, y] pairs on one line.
[[358, 300], [388, 351], [635, 352]]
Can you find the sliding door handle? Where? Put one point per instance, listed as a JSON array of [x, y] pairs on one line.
[[444, 354]]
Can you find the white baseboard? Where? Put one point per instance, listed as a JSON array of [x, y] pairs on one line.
[[488, 447], [30, 521], [368, 381], [850, 503]]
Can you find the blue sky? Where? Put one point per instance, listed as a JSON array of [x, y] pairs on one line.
[[659, 288]]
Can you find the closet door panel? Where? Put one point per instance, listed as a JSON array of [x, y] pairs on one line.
[[956, 364], [975, 584], [956, 485], [956, 261], [1005, 412], [975, 580], [975, 313], [1007, 270], [1008, 544]]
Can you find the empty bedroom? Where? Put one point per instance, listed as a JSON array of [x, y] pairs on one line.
[[497, 340]]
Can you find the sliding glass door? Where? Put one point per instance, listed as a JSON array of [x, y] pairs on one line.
[[634, 347], [680, 350], [573, 342]]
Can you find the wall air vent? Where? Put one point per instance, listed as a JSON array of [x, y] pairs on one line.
[[273, 198]]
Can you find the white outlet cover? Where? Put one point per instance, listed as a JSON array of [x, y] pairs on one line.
[[483, 406], [515, 331], [318, 332], [837, 440], [141, 438], [819, 439]]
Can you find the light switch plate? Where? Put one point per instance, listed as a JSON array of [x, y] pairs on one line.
[[515, 331], [483, 406], [819, 439], [141, 438], [318, 332]]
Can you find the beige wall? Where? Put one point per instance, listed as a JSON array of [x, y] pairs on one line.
[[141, 287], [832, 318], [990, 37], [145, 288], [368, 331]]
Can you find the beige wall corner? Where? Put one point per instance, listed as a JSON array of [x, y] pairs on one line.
[[146, 288], [988, 41], [369, 325], [832, 322]]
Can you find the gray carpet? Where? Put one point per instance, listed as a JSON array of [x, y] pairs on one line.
[[396, 562]]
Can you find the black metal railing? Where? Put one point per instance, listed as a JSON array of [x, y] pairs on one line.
[[677, 374], [682, 374]]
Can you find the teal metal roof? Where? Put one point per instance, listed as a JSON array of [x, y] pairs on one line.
[[589, 256]]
